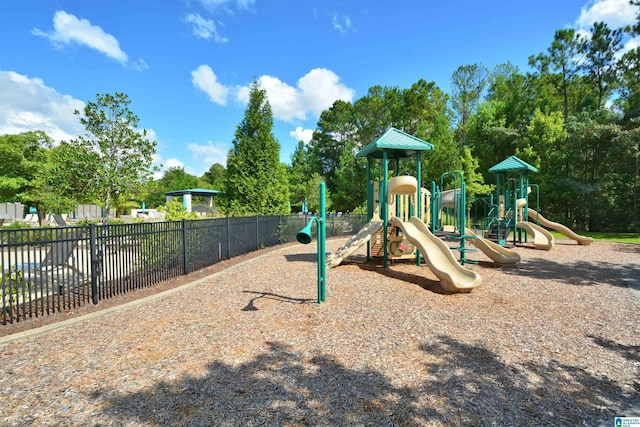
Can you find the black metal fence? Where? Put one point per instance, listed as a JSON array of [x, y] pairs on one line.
[[49, 270]]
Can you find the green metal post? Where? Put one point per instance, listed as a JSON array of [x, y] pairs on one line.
[[515, 219], [434, 208], [419, 196], [462, 221], [305, 236], [370, 202], [384, 205], [322, 240]]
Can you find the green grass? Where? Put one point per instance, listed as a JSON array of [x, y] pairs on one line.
[[605, 237], [608, 237]]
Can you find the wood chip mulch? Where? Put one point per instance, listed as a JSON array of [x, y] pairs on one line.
[[552, 341]]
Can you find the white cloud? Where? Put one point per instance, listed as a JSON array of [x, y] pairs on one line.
[[173, 163], [342, 23], [140, 65], [69, 29], [28, 104], [205, 79], [228, 4], [209, 153], [204, 28], [316, 91], [616, 13], [301, 134], [242, 94], [632, 44], [321, 88], [157, 161], [285, 100]]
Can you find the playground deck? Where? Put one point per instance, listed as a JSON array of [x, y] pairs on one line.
[[551, 341]]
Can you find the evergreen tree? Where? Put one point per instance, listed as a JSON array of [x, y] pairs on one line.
[[560, 66], [601, 50], [299, 174], [256, 181], [467, 87], [215, 176]]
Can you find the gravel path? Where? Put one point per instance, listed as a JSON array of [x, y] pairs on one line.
[[552, 341]]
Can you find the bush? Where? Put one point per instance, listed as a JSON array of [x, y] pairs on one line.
[[174, 211]]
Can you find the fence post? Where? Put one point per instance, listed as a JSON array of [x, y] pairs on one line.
[[95, 265], [257, 232], [228, 238], [333, 226], [185, 248]]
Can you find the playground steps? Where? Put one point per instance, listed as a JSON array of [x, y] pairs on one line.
[[499, 231]]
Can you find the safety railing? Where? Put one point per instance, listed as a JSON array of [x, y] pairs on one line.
[[51, 270]]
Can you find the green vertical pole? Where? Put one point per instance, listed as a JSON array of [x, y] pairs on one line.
[[434, 208], [370, 202], [419, 196], [515, 219], [322, 263], [384, 204], [462, 221]]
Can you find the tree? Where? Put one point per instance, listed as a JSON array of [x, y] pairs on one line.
[[215, 176], [173, 179], [335, 129], [515, 92], [372, 114], [350, 185], [561, 64], [256, 181], [299, 173], [22, 155], [445, 156], [28, 173], [312, 194], [601, 49], [635, 28], [118, 156], [629, 66], [467, 86], [490, 139]]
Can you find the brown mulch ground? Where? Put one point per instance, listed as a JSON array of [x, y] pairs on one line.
[[552, 341]]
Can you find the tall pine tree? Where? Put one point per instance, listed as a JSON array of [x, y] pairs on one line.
[[256, 181]]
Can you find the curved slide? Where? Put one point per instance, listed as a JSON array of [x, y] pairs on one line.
[[582, 240], [351, 245], [438, 256], [542, 239], [497, 253]]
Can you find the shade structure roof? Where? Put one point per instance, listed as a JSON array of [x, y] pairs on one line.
[[194, 192], [397, 143], [512, 164]]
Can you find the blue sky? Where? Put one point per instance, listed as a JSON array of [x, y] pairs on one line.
[[186, 64]]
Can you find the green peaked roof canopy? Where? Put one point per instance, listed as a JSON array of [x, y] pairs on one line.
[[512, 164], [400, 144], [193, 191]]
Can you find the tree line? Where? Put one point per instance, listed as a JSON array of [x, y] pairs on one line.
[[574, 115]]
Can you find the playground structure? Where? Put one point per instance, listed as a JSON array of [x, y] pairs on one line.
[[407, 221], [510, 212], [398, 209]]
